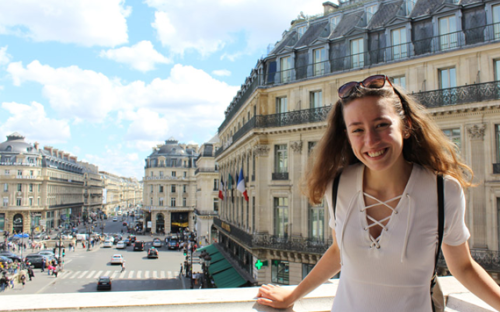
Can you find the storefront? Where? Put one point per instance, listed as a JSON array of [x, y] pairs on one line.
[[18, 223], [2, 222], [160, 223], [179, 221]]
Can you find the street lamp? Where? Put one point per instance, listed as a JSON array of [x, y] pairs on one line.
[[205, 257]]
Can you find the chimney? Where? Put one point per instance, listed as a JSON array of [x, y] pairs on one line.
[[329, 7], [48, 149], [36, 146]]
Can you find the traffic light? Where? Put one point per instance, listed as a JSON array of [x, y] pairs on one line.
[[184, 250]]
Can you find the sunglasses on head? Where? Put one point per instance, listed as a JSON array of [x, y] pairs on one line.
[[372, 82]]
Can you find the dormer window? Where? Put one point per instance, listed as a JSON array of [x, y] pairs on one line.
[[370, 11], [8, 149], [410, 4], [301, 31], [334, 21]]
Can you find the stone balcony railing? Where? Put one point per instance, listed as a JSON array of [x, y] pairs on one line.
[[458, 299]]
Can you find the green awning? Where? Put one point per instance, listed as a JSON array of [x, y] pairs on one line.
[[219, 266], [229, 278], [216, 258], [210, 249]]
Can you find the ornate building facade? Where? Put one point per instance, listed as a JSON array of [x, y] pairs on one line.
[[445, 53], [93, 189], [169, 187]]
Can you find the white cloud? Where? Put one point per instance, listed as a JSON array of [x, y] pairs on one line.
[[129, 164], [32, 122], [221, 72], [84, 22], [4, 57], [141, 56], [189, 102], [209, 26]]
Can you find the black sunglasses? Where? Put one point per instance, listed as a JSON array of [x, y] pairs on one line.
[[372, 82]]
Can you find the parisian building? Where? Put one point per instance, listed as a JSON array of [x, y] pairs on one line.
[[445, 53], [93, 190], [207, 191], [41, 188], [169, 187]]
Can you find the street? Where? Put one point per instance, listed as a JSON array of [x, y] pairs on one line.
[[82, 268]]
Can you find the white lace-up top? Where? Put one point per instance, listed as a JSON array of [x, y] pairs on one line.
[[392, 272]]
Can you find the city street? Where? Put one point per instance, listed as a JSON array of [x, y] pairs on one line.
[[82, 268]]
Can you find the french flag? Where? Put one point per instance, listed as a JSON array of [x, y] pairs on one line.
[[221, 189], [241, 185]]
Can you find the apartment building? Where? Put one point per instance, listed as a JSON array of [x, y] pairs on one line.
[[445, 53]]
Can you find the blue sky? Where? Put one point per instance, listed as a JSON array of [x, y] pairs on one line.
[[108, 80]]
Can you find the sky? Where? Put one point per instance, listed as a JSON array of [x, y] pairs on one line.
[[108, 80]]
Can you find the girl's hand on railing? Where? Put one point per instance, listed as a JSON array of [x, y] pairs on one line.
[[275, 296]]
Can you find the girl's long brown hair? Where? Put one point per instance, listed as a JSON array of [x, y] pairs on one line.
[[427, 145]]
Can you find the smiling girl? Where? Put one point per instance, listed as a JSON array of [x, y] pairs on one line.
[[388, 153]]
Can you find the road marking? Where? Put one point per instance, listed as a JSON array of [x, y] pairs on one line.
[[98, 274], [90, 274], [176, 274], [83, 274], [169, 274], [131, 274], [155, 274], [162, 274], [115, 274], [122, 275], [146, 275], [76, 273], [139, 273], [66, 274], [107, 273]]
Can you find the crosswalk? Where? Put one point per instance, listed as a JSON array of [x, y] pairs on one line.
[[117, 274]]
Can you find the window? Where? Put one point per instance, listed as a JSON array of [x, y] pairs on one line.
[[38, 201], [39, 187], [301, 31], [447, 78], [30, 201], [216, 205], [161, 174], [161, 201], [310, 146], [19, 173], [184, 202], [496, 21], [5, 187], [151, 201], [410, 4], [286, 69], [281, 217], [455, 137], [316, 99], [31, 187], [281, 105], [357, 53], [448, 33], [151, 173], [316, 222], [172, 188], [497, 137], [306, 268], [280, 158], [280, 272], [216, 184], [173, 173], [18, 202], [151, 188], [19, 187], [184, 188], [161, 189], [7, 172], [370, 11], [5, 201], [400, 81], [496, 65], [185, 174], [172, 202], [32, 172], [319, 61], [334, 21], [399, 44]]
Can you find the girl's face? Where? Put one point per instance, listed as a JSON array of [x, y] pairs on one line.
[[375, 132]]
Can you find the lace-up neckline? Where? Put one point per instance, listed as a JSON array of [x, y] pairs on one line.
[[375, 241]]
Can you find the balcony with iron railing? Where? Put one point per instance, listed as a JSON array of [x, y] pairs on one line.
[[395, 53], [279, 176], [472, 93]]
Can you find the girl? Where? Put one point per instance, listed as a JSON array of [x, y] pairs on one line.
[[388, 153]]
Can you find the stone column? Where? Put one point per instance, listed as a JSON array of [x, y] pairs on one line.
[[263, 214], [477, 201], [168, 221], [295, 203]]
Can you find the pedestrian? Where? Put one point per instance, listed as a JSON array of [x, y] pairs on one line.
[[386, 156], [49, 270], [83, 244], [123, 266], [11, 281], [4, 281], [22, 279], [55, 271], [43, 264], [31, 273]]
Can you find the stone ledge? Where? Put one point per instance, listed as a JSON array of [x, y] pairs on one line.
[[209, 300]]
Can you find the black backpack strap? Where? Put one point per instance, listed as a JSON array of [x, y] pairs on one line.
[[335, 190], [440, 191]]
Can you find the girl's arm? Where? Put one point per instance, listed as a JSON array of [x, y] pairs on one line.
[[471, 274], [327, 266]]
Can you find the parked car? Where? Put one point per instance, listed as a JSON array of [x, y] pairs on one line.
[[157, 243], [107, 244], [117, 259], [127, 242], [5, 260], [115, 219], [121, 245], [173, 244], [104, 282], [132, 238], [153, 253], [138, 245], [36, 259], [11, 256]]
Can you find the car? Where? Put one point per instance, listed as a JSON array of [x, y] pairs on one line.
[[37, 259], [104, 282], [5, 260], [117, 259], [107, 244], [124, 223], [47, 252], [132, 238], [115, 219], [153, 253], [138, 245], [121, 245], [173, 244], [157, 242], [127, 242], [11, 256]]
